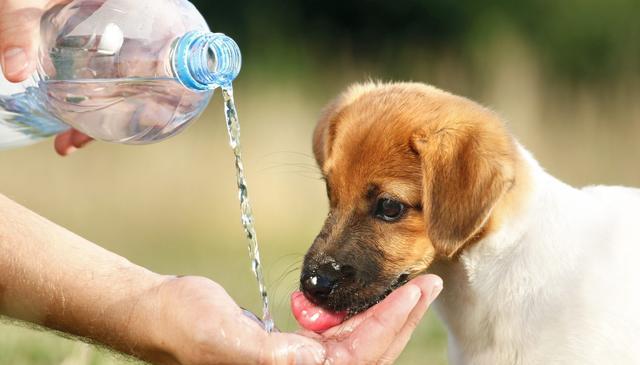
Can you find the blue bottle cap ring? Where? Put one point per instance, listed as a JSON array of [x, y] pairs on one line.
[[204, 61]]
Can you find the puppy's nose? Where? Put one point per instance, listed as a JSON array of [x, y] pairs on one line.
[[319, 284]]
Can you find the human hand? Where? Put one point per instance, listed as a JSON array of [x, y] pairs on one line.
[[378, 335], [19, 41], [197, 323], [54, 278]]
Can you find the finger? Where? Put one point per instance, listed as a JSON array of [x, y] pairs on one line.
[[371, 339], [345, 328], [430, 287], [79, 139], [19, 36], [63, 144], [350, 325]]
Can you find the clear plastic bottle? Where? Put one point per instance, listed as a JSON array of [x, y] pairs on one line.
[[126, 71]]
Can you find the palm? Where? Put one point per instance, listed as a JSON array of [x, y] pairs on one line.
[[379, 334], [197, 310]]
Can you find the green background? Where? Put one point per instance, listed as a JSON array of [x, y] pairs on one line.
[[564, 74]]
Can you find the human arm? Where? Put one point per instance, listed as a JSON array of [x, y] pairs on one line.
[[54, 278]]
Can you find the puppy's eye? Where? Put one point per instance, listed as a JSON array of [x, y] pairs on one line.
[[389, 210]]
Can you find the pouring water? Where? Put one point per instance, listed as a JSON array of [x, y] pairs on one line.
[[233, 127]]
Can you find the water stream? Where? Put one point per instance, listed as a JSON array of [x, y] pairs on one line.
[[233, 127]]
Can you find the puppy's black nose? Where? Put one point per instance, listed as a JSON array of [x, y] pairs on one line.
[[318, 284]]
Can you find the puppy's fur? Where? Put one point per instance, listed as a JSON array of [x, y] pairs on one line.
[[535, 271]]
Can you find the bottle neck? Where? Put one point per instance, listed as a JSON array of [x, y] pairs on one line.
[[204, 61]]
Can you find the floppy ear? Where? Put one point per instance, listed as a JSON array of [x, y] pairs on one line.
[[320, 136], [325, 131], [467, 168]]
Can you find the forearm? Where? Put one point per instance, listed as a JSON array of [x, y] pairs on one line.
[[54, 278]]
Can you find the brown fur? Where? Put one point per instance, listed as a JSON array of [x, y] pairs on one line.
[[2, 290], [447, 158]]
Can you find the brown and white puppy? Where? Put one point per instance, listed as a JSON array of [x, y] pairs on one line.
[[411, 173], [417, 176]]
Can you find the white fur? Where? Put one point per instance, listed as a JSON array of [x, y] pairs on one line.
[[558, 283]]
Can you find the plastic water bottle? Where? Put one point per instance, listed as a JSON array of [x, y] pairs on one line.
[[126, 71]]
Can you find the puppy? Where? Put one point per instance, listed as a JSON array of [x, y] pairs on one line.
[[535, 271]]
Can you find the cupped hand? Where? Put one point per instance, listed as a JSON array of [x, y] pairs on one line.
[[19, 41], [198, 323], [378, 335]]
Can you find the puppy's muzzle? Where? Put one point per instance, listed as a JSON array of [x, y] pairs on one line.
[[318, 284]]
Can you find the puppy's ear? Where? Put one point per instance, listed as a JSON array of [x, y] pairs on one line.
[[467, 168], [325, 131], [320, 137]]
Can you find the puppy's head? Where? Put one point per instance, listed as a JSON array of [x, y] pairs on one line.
[[412, 173]]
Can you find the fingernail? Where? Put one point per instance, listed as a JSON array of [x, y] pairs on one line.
[[435, 291], [307, 355], [14, 61], [69, 150]]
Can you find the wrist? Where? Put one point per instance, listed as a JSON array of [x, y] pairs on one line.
[[147, 332], [196, 322], [166, 330]]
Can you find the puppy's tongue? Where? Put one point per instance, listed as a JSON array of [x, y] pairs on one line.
[[312, 317]]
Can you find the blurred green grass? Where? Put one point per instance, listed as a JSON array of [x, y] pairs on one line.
[[173, 208]]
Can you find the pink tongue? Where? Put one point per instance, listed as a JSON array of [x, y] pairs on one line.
[[312, 317]]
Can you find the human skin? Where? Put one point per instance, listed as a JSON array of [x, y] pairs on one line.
[[56, 279], [19, 41], [53, 278]]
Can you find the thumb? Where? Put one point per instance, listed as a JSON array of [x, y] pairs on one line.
[[19, 37]]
